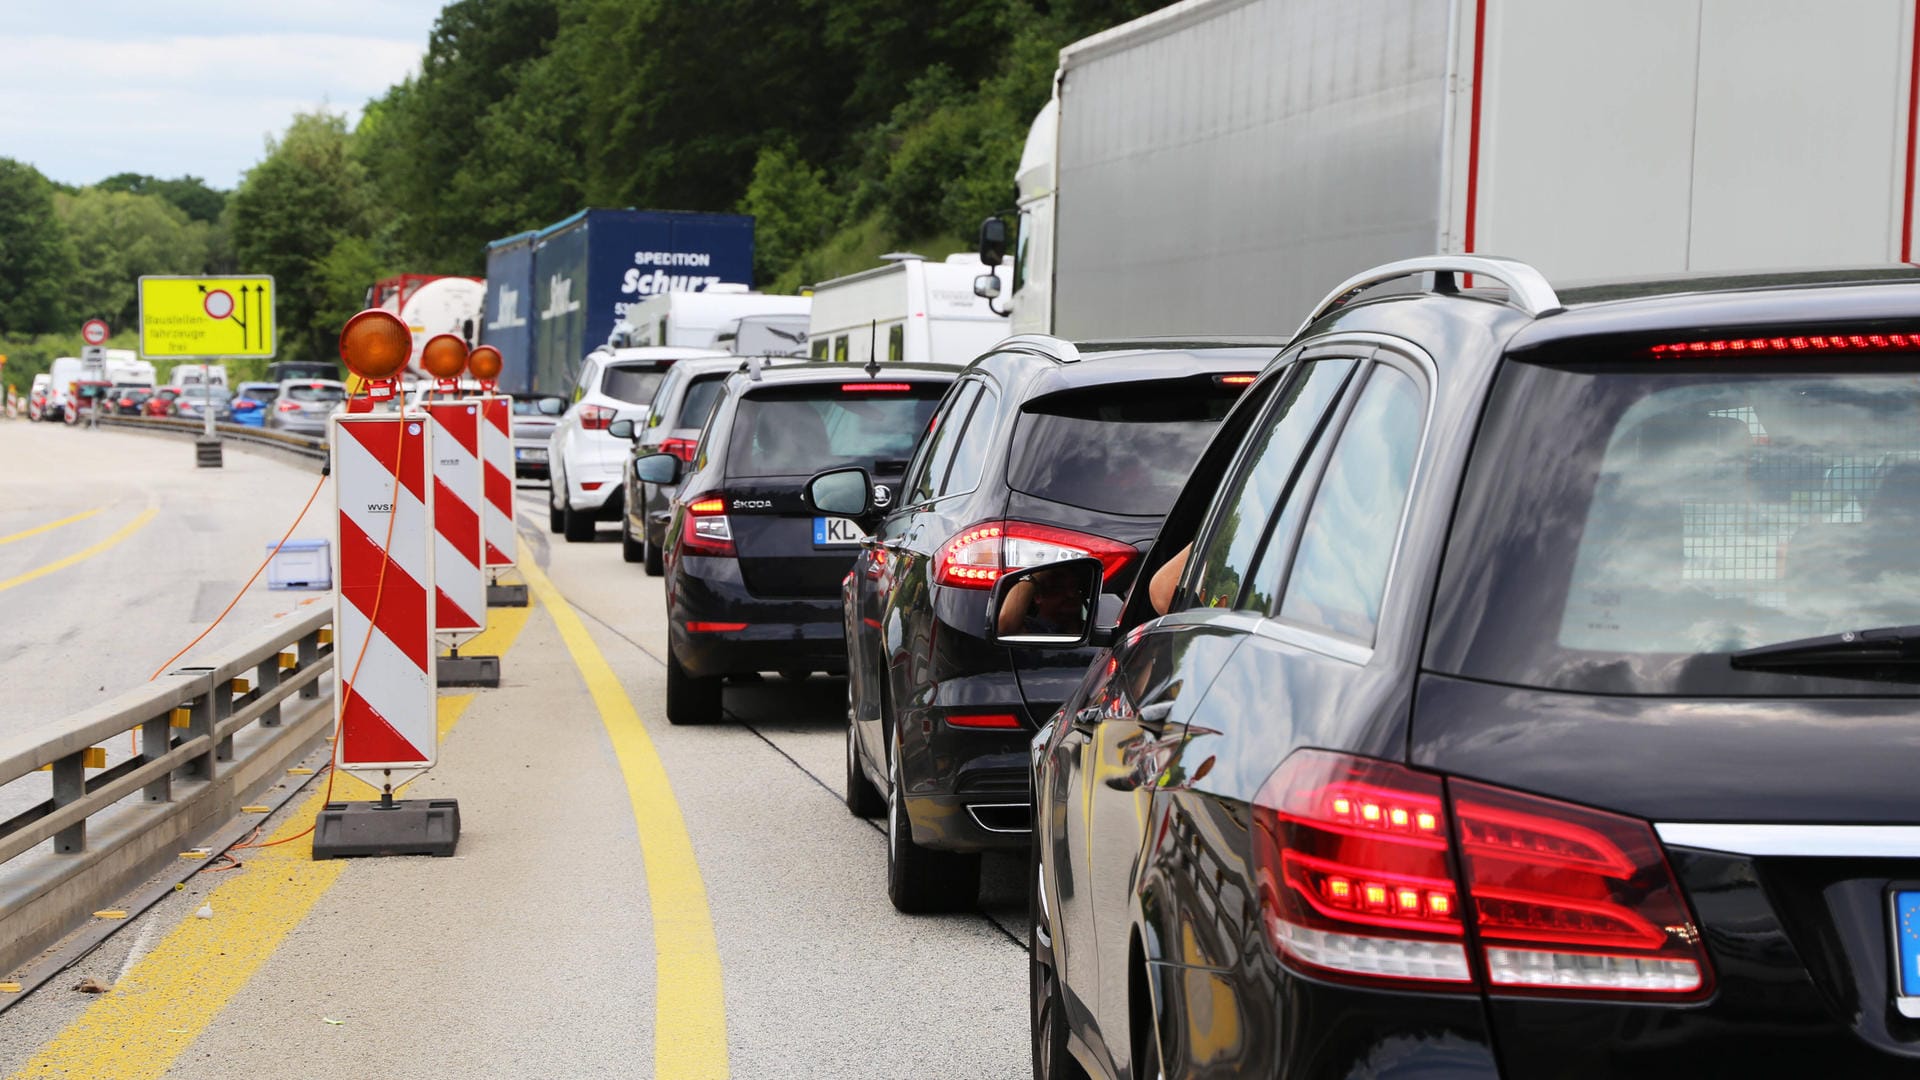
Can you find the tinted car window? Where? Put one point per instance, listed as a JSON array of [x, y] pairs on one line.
[[1118, 449], [1340, 573], [316, 393], [633, 385], [1263, 482], [798, 430], [970, 450], [929, 470], [702, 392], [1672, 518]]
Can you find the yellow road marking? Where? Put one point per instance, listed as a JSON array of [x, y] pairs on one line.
[[51, 525], [120, 534], [690, 1014], [165, 1001]]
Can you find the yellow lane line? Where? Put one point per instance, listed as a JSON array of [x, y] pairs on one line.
[[160, 1006], [690, 1009], [119, 534], [51, 525]]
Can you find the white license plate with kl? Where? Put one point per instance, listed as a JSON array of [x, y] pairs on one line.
[[836, 532]]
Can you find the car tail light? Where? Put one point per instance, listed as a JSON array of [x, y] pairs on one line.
[[288, 405], [875, 387], [1776, 344], [707, 531], [680, 448], [1367, 873], [1235, 380], [990, 721], [715, 627], [595, 417], [978, 557]]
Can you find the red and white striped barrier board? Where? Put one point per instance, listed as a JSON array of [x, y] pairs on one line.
[[496, 451], [460, 609], [383, 615]]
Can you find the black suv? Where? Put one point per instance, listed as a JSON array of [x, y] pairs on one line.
[[1517, 712], [752, 573], [1044, 451]]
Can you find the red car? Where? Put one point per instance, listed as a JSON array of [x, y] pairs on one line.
[[161, 403]]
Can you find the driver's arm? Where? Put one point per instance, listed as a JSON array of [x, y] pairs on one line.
[[1160, 587]]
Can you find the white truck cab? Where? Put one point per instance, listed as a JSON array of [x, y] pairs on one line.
[[691, 319]]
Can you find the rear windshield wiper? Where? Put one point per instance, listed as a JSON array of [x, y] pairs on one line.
[[1854, 648]]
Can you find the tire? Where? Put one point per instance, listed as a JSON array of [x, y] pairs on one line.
[[629, 550], [690, 700], [863, 799], [921, 880], [577, 527], [556, 521], [1046, 1004]]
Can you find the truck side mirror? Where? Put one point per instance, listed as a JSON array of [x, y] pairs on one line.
[[987, 286], [993, 241]]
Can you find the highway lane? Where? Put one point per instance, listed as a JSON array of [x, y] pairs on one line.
[[143, 551]]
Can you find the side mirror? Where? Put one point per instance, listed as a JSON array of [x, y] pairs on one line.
[[662, 469], [1052, 606], [987, 286], [621, 429], [845, 492], [993, 241]]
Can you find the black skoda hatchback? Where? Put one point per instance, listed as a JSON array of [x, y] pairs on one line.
[[1538, 699], [752, 574], [1043, 451]]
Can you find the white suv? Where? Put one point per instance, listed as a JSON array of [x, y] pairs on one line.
[[586, 460]]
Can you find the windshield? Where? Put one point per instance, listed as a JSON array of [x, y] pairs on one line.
[[1622, 531], [633, 385], [1117, 449], [798, 431]]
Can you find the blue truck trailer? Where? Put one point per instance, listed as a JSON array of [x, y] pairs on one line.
[[555, 294]]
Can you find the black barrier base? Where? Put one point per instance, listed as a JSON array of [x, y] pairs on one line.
[[506, 596], [403, 827], [469, 671], [206, 453]]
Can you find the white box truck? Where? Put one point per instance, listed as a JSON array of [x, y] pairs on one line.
[[906, 309], [1212, 166], [691, 319]]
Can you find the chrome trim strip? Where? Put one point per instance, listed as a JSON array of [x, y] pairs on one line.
[[973, 811], [1829, 841]]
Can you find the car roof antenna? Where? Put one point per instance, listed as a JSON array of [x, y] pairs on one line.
[[873, 353]]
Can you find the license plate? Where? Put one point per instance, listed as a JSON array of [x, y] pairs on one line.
[[529, 453], [1906, 950], [834, 531]]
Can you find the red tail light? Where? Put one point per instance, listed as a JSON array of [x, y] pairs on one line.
[[1361, 864], [595, 417], [715, 627], [993, 721], [680, 448], [288, 406], [707, 530], [875, 387], [1791, 343], [1235, 380], [977, 557]]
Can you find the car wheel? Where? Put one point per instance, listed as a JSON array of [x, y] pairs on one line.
[[863, 799], [921, 880], [630, 550], [577, 526], [1046, 1004], [556, 520], [690, 700]]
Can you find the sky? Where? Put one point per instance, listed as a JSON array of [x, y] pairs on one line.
[[90, 88]]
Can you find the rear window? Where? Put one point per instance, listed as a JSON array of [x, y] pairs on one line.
[[702, 392], [1621, 531], [316, 393], [798, 431], [1117, 449], [633, 385]]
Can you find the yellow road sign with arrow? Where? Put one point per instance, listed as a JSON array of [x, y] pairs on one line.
[[206, 318]]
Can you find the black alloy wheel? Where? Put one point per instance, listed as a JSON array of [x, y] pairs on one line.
[[690, 700], [921, 880], [1046, 1005]]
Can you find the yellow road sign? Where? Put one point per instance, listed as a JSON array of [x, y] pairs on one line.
[[195, 318]]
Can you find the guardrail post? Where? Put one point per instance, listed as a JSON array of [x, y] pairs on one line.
[[222, 708], [156, 738], [309, 655], [266, 678], [69, 786], [199, 723]]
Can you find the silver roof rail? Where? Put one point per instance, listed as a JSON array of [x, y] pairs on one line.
[[1527, 288]]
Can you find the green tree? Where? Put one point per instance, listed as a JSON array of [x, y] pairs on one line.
[[36, 256], [190, 193], [290, 214], [793, 210], [117, 237]]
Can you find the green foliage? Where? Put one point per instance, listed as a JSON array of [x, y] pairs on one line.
[[36, 255], [32, 354], [190, 193], [793, 209], [117, 237]]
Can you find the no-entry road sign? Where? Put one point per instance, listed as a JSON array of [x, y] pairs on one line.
[[94, 332], [199, 318]]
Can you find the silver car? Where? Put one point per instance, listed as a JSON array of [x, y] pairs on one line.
[[303, 406], [534, 418]]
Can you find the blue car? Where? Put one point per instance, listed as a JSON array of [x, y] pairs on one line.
[[251, 401]]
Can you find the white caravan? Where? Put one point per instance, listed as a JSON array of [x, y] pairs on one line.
[[908, 309], [1209, 167], [189, 374], [125, 368], [691, 319]]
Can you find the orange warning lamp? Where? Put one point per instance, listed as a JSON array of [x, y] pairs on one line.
[[375, 345], [484, 363], [444, 357]]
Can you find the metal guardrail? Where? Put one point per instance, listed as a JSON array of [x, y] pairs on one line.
[[314, 449], [211, 735]]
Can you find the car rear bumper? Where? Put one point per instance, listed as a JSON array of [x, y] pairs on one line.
[[968, 788], [719, 628]]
